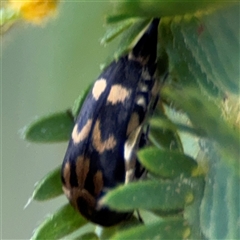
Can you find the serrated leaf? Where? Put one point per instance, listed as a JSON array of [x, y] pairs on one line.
[[141, 8], [220, 42], [190, 67], [172, 228], [61, 223], [167, 164], [49, 187], [203, 49], [163, 195], [56, 127]]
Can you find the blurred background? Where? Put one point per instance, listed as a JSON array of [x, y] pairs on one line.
[[44, 69]]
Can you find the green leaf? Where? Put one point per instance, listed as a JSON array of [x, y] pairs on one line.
[[128, 40], [49, 187], [221, 199], [114, 30], [56, 127], [167, 164], [182, 69], [172, 228], [160, 123], [171, 195], [7, 15], [88, 229], [107, 233], [129, 37], [87, 236], [163, 134], [202, 50], [208, 118], [125, 9], [61, 223]]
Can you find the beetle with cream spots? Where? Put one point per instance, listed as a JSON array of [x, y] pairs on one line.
[[109, 129]]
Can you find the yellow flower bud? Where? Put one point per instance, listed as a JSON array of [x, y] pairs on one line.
[[34, 10]]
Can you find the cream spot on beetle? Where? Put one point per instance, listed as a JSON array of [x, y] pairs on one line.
[[129, 176], [100, 145], [140, 101], [66, 174], [98, 182], [78, 136], [67, 192], [117, 94], [78, 194], [142, 60], [143, 87], [133, 123], [130, 145], [98, 88], [145, 75], [155, 89], [130, 154], [82, 169]]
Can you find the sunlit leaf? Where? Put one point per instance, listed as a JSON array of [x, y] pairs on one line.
[[8, 17]]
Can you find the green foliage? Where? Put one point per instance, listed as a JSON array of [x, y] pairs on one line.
[[116, 30], [8, 17], [171, 195], [172, 228], [55, 227], [129, 35], [166, 164], [87, 236], [56, 127], [192, 189], [141, 8], [49, 187]]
